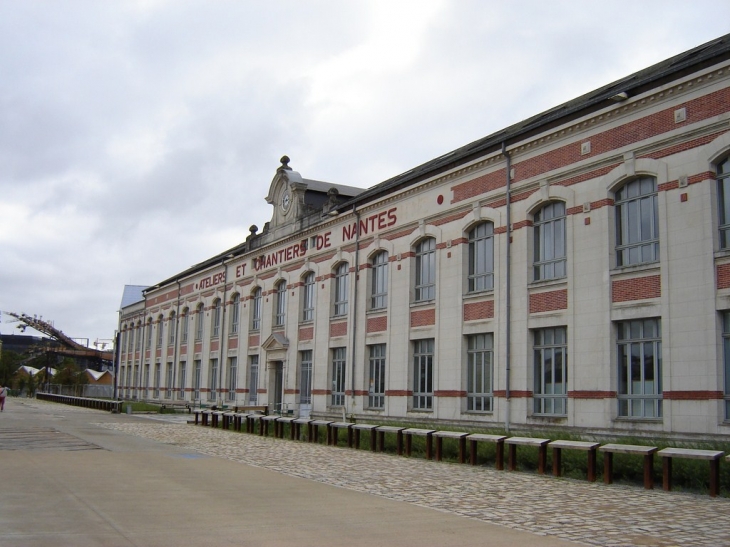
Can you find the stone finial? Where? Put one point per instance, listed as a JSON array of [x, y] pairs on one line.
[[253, 229], [285, 163]]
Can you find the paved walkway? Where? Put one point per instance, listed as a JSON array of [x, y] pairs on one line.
[[588, 513]]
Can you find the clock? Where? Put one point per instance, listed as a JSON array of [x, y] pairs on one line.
[[285, 201]]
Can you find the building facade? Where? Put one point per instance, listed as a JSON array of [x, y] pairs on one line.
[[572, 270]]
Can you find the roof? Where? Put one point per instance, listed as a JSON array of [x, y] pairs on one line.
[[131, 295], [654, 76]]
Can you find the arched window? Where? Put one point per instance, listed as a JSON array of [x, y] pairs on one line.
[[637, 224], [256, 309], [235, 312], [549, 243], [379, 281], [425, 270], [723, 198], [171, 328], [215, 319], [184, 323], [199, 322], [481, 257], [308, 297], [148, 343], [280, 304], [160, 324], [341, 289]]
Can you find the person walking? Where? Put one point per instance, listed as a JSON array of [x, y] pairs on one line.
[[3, 394]]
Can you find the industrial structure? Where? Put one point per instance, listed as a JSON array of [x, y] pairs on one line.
[[571, 270]]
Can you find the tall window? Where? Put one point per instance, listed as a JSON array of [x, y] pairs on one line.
[[136, 381], [171, 328], [308, 297], [213, 391], [723, 195], [197, 365], [235, 312], [148, 344], [160, 330], [376, 385], [551, 371], [181, 380], [146, 381], [341, 276], [168, 381], [726, 357], [157, 380], [426, 270], [481, 257], [338, 376], [549, 232], [184, 324], [379, 281], [256, 309], [130, 339], [479, 385], [637, 225], [138, 337], [215, 320], [232, 377], [199, 323], [305, 377], [423, 374], [640, 368], [280, 304], [253, 379]]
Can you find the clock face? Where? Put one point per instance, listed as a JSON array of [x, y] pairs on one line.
[[285, 201]]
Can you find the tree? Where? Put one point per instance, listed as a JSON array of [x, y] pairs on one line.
[[9, 365]]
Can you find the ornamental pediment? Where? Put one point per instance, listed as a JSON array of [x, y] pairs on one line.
[[277, 341]]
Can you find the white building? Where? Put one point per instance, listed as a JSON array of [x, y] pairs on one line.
[[598, 300]]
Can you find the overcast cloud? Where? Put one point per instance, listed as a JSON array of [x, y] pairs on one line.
[[138, 138]]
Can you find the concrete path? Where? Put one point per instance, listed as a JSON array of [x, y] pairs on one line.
[[152, 481]]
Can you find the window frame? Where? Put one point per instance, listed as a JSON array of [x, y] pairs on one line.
[[423, 367], [197, 374], [213, 379], [379, 280], [235, 314], [480, 275], [627, 399], [726, 363], [232, 377], [199, 312], [626, 216], [480, 372], [256, 308], [160, 331], [308, 300], [723, 202], [550, 348], [340, 289], [376, 376], [184, 326], [171, 329], [425, 265], [253, 379], [339, 375], [305, 376], [181, 379], [280, 303], [549, 227], [215, 319]]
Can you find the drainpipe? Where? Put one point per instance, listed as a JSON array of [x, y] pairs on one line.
[[354, 304], [177, 341], [222, 335], [508, 283]]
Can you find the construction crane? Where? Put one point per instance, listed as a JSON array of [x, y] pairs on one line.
[[70, 348]]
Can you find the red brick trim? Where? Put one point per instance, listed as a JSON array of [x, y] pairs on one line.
[[723, 276], [474, 311], [514, 394], [321, 392], [549, 301], [636, 288], [323, 258], [449, 393], [398, 392], [450, 218], [338, 329], [377, 324], [290, 391], [396, 235], [306, 333], [698, 395], [422, 318], [587, 394], [253, 340]]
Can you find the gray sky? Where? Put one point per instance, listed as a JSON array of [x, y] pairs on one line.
[[138, 138]]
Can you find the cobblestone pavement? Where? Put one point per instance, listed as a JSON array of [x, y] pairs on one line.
[[587, 513]]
